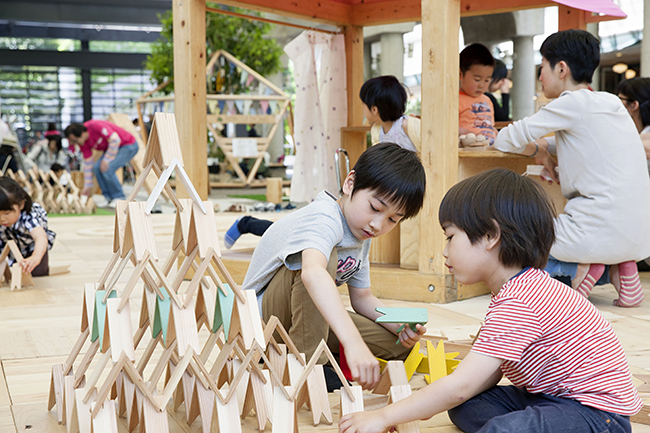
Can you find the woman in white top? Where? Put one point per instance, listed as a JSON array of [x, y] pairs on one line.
[[48, 151]]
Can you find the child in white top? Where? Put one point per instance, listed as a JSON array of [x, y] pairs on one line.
[[384, 102], [601, 170]]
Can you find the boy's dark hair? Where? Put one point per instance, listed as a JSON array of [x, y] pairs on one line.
[[475, 54], [56, 167], [500, 200], [387, 94], [11, 193], [75, 129], [638, 89], [500, 71], [392, 173], [578, 48]]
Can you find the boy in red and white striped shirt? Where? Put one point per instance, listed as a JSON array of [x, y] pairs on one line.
[[566, 364]]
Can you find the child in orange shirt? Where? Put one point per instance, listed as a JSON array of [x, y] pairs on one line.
[[475, 110]]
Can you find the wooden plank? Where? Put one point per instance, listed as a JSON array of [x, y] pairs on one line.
[[354, 76], [105, 421], [185, 328], [203, 225], [284, 412], [227, 416], [141, 229], [190, 90], [326, 12], [351, 406], [398, 393], [120, 329]]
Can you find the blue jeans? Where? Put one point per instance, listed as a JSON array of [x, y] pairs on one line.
[[510, 409], [108, 181], [557, 268]]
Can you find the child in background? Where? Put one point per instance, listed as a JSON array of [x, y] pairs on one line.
[[475, 111], [567, 367], [501, 83], [384, 102], [304, 256], [25, 223], [601, 169]]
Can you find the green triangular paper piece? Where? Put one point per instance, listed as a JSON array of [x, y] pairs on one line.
[[99, 317], [161, 316], [223, 310]]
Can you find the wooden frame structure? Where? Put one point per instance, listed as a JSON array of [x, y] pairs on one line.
[[430, 280]]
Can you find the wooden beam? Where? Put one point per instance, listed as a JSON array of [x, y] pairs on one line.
[[485, 7], [327, 12], [190, 91], [386, 12], [439, 153], [570, 18]]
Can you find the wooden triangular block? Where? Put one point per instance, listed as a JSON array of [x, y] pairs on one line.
[[131, 403], [56, 392], [223, 311], [151, 419], [206, 399], [185, 328], [81, 410], [226, 416], [351, 406], [119, 329], [71, 422], [318, 400], [394, 374], [88, 308], [163, 144], [259, 395], [99, 316], [119, 229], [285, 419], [203, 229], [161, 316], [105, 421], [277, 355]]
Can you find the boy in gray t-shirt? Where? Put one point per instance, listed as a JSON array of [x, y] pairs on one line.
[[303, 257]]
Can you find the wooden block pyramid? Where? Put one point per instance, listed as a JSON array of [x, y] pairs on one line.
[[141, 372]]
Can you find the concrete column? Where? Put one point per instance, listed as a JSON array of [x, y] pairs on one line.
[[595, 81], [645, 44], [523, 78], [392, 55], [367, 61]]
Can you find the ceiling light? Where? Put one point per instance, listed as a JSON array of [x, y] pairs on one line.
[[619, 68]]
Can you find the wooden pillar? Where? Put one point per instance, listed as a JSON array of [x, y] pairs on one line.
[[354, 75], [440, 66], [570, 18], [190, 90]]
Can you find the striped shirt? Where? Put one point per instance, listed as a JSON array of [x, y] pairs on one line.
[[553, 341], [20, 231]]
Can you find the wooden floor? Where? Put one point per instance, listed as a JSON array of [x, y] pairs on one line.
[[39, 325]]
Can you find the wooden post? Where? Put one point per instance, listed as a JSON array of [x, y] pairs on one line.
[[190, 90], [354, 77], [570, 18], [440, 66], [274, 190]]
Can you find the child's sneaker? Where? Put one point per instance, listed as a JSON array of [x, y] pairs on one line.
[[232, 235]]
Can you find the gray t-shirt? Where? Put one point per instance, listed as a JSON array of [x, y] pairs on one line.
[[319, 225]]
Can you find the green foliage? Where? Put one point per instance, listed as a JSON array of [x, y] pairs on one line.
[[245, 39]]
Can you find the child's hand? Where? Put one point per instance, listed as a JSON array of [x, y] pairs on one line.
[[29, 264], [364, 367], [505, 86], [409, 337], [363, 422]]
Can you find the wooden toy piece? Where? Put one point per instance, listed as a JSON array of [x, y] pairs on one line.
[[182, 327], [203, 400], [105, 420], [199, 275], [349, 405], [71, 423], [437, 362], [119, 229], [170, 387], [162, 309], [15, 275], [204, 309], [56, 392], [119, 332], [203, 230], [138, 232], [246, 321], [242, 386], [394, 374], [88, 307], [643, 417], [274, 190], [397, 393], [99, 317], [152, 419], [412, 361], [175, 166], [277, 355], [81, 410], [274, 326], [294, 368], [285, 417], [318, 400], [259, 394], [226, 415], [163, 145], [410, 316], [130, 399]]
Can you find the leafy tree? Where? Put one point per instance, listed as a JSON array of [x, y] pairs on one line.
[[243, 38]]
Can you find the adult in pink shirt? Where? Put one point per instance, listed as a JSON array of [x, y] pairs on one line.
[[119, 148]]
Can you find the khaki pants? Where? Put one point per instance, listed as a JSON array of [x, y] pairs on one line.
[[287, 298]]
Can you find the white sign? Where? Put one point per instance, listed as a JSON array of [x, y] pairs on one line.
[[244, 147]]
